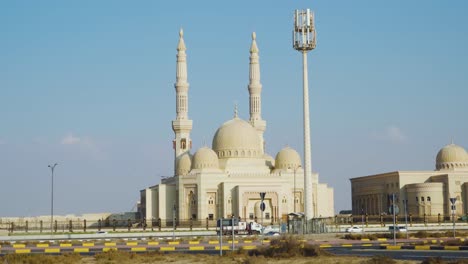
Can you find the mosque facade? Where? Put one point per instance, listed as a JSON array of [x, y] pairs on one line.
[[423, 193], [226, 179]]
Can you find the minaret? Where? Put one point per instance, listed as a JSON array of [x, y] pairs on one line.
[[181, 125], [255, 89]]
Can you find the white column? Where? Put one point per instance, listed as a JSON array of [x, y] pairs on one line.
[[308, 206]]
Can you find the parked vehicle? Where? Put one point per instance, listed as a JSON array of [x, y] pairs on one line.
[[354, 229], [272, 233], [397, 229], [271, 228], [238, 227]]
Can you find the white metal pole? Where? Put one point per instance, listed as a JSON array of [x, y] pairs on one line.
[[294, 195], [221, 236], [232, 232], [453, 220], [406, 218], [173, 221], [52, 202], [262, 227], [52, 168], [394, 222], [307, 152]]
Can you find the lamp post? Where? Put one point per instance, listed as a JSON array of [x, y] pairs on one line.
[[304, 40], [262, 208], [453, 201], [405, 204], [393, 208], [362, 218], [173, 220], [294, 194], [52, 168]]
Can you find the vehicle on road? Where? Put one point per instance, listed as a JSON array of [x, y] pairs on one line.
[[272, 233], [238, 227], [397, 229], [271, 228], [354, 229]]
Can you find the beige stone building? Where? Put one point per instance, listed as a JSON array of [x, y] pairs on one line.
[[226, 179], [427, 192]]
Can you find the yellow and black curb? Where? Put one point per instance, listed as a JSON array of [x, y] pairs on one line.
[[423, 247], [168, 246]]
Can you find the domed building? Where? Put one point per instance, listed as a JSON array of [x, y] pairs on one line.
[[226, 179], [427, 193]]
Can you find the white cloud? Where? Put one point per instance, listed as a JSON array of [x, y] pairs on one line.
[[390, 133], [83, 144], [71, 140]]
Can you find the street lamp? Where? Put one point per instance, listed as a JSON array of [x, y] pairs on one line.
[[173, 220], [394, 209], [304, 41], [453, 201], [294, 194], [52, 168], [405, 203], [262, 208]]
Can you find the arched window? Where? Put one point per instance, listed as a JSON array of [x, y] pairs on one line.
[[428, 198]]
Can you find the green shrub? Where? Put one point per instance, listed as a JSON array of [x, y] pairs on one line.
[[421, 234], [287, 247]]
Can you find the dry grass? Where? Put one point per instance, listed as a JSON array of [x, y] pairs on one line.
[[154, 257], [283, 250], [41, 259]]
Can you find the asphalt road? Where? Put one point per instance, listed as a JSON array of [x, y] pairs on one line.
[[400, 254]]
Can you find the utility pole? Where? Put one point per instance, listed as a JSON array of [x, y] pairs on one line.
[[52, 168], [304, 40]]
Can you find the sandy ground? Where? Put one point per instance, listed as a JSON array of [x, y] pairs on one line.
[[187, 259]]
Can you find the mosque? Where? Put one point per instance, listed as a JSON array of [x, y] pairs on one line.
[[226, 179], [427, 193]]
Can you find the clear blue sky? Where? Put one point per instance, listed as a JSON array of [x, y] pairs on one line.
[[89, 84]]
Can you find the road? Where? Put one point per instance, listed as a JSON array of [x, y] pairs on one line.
[[400, 254], [412, 249]]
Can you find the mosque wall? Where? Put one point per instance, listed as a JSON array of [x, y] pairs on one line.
[[425, 198], [326, 201]]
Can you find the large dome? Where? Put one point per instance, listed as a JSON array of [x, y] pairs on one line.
[[205, 158], [452, 156], [237, 139], [287, 158]]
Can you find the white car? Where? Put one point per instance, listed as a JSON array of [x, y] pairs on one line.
[[354, 229], [397, 228]]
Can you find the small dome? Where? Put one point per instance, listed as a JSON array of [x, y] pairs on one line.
[[205, 158], [451, 156], [287, 158], [184, 163], [237, 139]]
